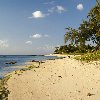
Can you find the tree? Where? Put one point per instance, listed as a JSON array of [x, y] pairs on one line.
[[84, 33], [88, 30], [94, 23], [71, 36]]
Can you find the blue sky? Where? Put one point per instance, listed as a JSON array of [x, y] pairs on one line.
[[37, 26]]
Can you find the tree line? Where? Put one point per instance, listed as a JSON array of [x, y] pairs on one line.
[[89, 30]]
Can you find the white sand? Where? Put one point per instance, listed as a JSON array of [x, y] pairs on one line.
[[60, 79]]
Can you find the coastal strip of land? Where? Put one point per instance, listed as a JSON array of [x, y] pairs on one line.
[[59, 79]]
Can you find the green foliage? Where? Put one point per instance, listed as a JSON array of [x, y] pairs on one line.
[[89, 56], [72, 36], [89, 30], [74, 49], [31, 67], [3, 90], [94, 23]]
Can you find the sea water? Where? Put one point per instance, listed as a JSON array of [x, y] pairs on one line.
[[20, 60]]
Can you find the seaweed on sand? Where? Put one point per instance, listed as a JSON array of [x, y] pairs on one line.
[[3, 89]]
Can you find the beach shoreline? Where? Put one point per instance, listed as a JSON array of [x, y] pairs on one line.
[[58, 79]]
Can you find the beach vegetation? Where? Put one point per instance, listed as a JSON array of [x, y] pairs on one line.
[[84, 39], [31, 67], [3, 89], [89, 56]]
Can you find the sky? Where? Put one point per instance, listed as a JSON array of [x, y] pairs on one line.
[[37, 26]]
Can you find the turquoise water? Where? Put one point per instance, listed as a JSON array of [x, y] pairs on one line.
[[20, 59]]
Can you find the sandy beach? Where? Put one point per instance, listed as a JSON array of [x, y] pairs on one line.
[[60, 79]]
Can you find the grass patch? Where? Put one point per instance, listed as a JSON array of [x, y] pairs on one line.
[[31, 67], [3, 90], [89, 56]]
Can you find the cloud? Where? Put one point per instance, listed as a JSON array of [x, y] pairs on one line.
[[3, 43], [51, 3], [38, 14], [28, 42], [58, 9], [80, 7], [37, 36]]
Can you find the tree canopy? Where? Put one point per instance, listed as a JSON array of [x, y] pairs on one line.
[[89, 30]]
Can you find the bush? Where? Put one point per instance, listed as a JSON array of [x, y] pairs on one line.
[[74, 49], [89, 56]]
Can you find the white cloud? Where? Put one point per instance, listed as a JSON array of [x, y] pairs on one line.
[[28, 42], [36, 36], [3, 43], [38, 14], [80, 7], [58, 9]]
